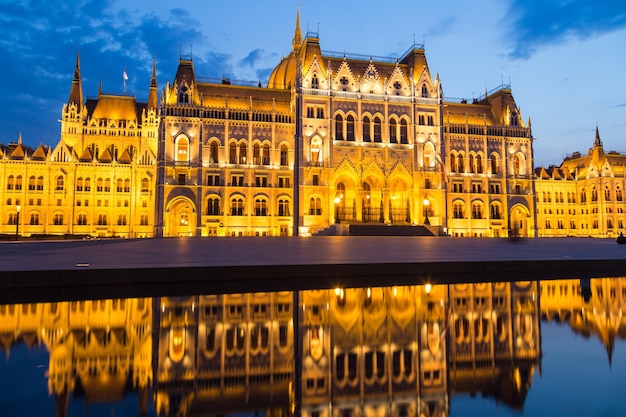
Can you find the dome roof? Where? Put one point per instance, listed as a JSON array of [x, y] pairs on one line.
[[284, 74]]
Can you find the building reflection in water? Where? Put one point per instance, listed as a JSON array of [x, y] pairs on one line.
[[392, 351]]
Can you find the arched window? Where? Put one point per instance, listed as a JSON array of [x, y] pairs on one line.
[[10, 182], [80, 184], [266, 154], [315, 206], [393, 131], [471, 164], [232, 153], [87, 184], [260, 206], [213, 206], [458, 212], [350, 127], [34, 219], [495, 211], [607, 194], [183, 95], [121, 219], [339, 127], [284, 155], [99, 185], [107, 185], [81, 220], [583, 196], [102, 219], [60, 181], [594, 194], [283, 207], [404, 129], [479, 164], [213, 153], [315, 82], [517, 165], [316, 150], [40, 183], [618, 194], [236, 206], [256, 154], [367, 134], [429, 155], [494, 164], [453, 163], [119, 185], [127, 185], [243, 153], [57, 219], [182, 150], [145, 185], [461, 162], [32, 181], [377, 129], [143, 220], [424, 90], [477, 211]]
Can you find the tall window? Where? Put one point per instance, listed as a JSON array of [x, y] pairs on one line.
[[236, 206], [57, 220], [377, 129], [315, 82], [424, 90], [10, 182], [182, 150], [31, 183], [283, 155], [494, 164], [283, 207], [121, 219], [213, 158], [232, 153], [213, 206], [99, 185], [338, 127], [40, 183], [82, 219], [266, 154], [404, 128], [256, 154], [143, 220], [479, 164], [477, 211], [393, 131], [34, 219], [145, 185], [315, 206], [367, 135], [458, 210], [107, 185], [260, 207], [350, 127], [243, 151], [102, 219]]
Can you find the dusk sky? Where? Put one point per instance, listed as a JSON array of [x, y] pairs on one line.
[[565, 59]]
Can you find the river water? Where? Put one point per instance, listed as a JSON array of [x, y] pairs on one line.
[[534, 348]]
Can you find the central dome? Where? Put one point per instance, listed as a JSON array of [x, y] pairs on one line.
[[284, 75]]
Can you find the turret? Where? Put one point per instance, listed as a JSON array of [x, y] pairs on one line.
[[297, 36]]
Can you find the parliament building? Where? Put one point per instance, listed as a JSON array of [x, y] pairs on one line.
[[333, 143]]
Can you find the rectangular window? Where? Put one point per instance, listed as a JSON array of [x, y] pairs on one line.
[[316, 179], [182, 179], [283, 182], [213, 179], [260, 181], [237, 180]]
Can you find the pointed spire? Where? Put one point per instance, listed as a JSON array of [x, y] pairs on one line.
[[153, 98], [297, 36], [19, 138], [100, 88], [597, 141], [76, 93]]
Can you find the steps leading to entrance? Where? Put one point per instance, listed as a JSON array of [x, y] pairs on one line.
[[390, 230]]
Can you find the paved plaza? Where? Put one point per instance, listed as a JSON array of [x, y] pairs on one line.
[[177, 266]]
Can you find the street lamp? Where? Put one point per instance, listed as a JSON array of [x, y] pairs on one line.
[[17, 223], [426, 204], [337, 201]]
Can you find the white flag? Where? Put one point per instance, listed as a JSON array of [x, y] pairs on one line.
[[125, 75]]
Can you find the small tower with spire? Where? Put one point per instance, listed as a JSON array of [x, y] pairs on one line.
[[74, 110]]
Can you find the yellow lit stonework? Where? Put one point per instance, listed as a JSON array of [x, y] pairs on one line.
[[332, 142]]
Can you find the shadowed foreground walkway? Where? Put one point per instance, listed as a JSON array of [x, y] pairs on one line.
[[38, 271]]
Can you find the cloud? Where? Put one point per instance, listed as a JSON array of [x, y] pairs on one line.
[[252, 58], [535, 24], [621, 105]]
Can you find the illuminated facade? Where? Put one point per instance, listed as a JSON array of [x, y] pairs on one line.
[[333, 140], [584, 196]]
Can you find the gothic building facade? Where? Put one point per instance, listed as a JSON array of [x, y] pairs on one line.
[[333, 141]]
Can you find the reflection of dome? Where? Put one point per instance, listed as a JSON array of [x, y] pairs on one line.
[[284, 74]]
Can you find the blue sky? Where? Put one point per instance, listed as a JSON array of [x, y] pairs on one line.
[[565, 59]]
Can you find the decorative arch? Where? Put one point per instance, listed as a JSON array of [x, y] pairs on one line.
[[182, 147]]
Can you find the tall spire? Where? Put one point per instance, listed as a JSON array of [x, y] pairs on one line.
[[153, 95], [597, 142], [76, 93], [297, 36]]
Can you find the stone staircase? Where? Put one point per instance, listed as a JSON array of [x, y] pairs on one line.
[[368, 229]]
